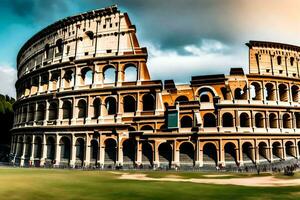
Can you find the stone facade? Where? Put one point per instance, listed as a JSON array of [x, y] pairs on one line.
[[85, 98]]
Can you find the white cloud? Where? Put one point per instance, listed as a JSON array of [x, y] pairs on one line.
[[8, 77]]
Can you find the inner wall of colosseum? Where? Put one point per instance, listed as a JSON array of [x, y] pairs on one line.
[[85, 98]]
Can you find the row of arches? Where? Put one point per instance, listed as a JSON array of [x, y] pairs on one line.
[[187, 156]]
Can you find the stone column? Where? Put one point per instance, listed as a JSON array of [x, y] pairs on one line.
[[271, 153], [57, 151], [44, 151], [119, 152], [139, 152], [199, 155], [139, 102], [23, 152], [156, 154], [221, 154], [46, 113], [176, 155], [87, 151], [73, 152], [32, 149]]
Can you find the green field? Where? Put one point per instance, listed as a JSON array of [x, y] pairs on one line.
[[75, 184]]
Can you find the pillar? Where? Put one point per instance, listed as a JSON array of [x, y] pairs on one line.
[[139, 152], [176, 155], [119, 152], [87, 151], [32, 150], [44, 151], [57, 151], [23, 152], [73, 152], [199, 155]]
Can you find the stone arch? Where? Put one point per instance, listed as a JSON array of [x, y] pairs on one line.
[[59, 47], [28, 147], [148, 102], [186, 122], [259, 120], [256, 91], [276, 150], [209, 120], [110, 157], [273, 122], [37, 148], [109, 74], [263, 151], [186, 154], [244, 120], [227, 120], [270, 92], [86, 76], [65, 150], [94, 152], [283, 92], [230, 153], [147, 128], [290, 149], [50, 148], [24, 114], [55, 80], [295, 93], [82, 108], [286, 121], [210, 154], [247, 150], [225, 93], [297, 119], [130, 73], [129, 104], [147, 154], [67, 109], [31, 113], [240, 94], [129, 151], [111, 105], [206, 94], [53, 111], [20, 146], [182, 98], [79, 148], [165, 154], [97, 107]]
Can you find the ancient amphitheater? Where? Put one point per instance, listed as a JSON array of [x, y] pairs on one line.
[[85, 98]]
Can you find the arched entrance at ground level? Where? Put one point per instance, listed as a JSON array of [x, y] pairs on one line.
[[79, 151], [94, 152], [147, 154], [230, 153], [65, 151], [289, 149], [165, 154], [248, 155], [37, 148], [20, 147], [210, 154], [263, 151], [50, 149], [276, 151], [110, 156], [186, 154], [28, 148], [129, 151]]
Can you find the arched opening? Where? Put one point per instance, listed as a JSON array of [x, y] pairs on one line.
[[79, 147], [273, 120], [50, 148], [20, 146], [230, 153], [186, 154], [82, 109], [110, 157], [87, 76], [286, 121], [147, 128], [227, 120], [67, 110], [148, 102], [289, 149], [209, 120], [263, 151], [31, 113], [276, 151], [94, 152], [59, 47], [37, 148], [283, 92], [165, 154], [47, 51], [256, 93], [147, 154], [270, 92], [244, 120], [55, 80], [24, 114], [186, 122], [65, 150], [130, 73], [40, 112], [210, 154], [297, 117], [295, 95], [206, 95], [109, 74], [69, 80], [181, 98], [111, 105], [28, 148], [129, 104], [131, 129], [259, 120], [129, 151], [240, 94], [248, 152], [53, 111], [97, 107], [279, 60], [225, 93]]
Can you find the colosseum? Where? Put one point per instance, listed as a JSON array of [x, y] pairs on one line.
[[85, 99]]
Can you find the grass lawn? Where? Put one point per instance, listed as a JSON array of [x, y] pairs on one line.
[[79, 185]]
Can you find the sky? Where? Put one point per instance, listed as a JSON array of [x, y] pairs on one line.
[[184, 37]]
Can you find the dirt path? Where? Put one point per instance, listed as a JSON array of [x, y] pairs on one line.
[[265, 181]]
